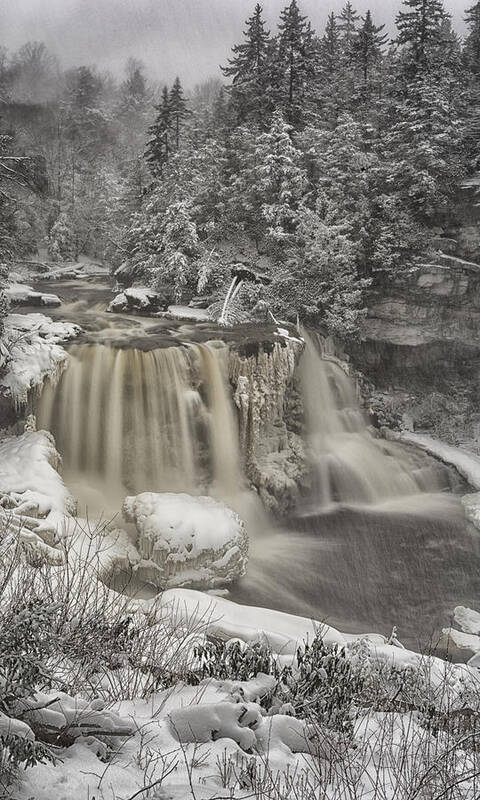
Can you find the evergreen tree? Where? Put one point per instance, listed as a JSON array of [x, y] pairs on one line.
[[61, 240], [347, 25], [368, 47], [472, 42], [249, 72], [296, 62], [330, 46], [420, 32], [423, 145], [327, 288], [177, 110], [159, 142], [268, 190]]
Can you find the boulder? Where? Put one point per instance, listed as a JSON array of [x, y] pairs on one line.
[[136, 299], [193, 542]]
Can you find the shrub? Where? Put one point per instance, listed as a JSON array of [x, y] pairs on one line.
[[26, 643]]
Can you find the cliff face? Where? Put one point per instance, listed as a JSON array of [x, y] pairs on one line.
[[421, 341]]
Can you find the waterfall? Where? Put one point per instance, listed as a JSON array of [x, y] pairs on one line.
[[349, 464], [128, 420]]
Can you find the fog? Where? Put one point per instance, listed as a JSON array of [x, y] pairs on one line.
[[186, 37]]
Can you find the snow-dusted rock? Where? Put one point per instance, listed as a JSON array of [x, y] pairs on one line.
[[207, 723], [136, 298], [28, 474], [30, 351], [33, 496], [193, 541], [468, 638], [22, 295], [467, 619]]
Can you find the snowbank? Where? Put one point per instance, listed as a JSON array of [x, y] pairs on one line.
[[228, 620], [31, 352], [194, 541]]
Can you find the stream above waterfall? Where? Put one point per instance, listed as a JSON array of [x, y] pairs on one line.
[[378, 537]]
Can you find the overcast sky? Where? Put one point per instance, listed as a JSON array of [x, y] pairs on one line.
[[185, 37]]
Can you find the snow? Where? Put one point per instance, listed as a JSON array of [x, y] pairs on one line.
[[468, 638], [21, 294], [201, 723], [28, 473], [466, 463], [31, 352], [195, 541], [187, 313], [227, 620], [468, 619], [33, 496], [139, 298]]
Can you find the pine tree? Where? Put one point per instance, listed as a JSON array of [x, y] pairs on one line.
[[296, 62], [424, 144], [249, 72], [420, 32], [368, 46], [61, 241], [472, 42], [327, 290], [178, 110], [347, 25], [159, 143], [330, 46]]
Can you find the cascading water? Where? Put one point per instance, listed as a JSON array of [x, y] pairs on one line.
[[129, 420], [131, 414], [349, 464]]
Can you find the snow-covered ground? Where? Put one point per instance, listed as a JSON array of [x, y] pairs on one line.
[[219, 738]]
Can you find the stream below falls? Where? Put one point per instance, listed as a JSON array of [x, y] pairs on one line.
[[379, 540]]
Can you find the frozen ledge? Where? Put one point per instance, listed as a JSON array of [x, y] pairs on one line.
[[467, 464]]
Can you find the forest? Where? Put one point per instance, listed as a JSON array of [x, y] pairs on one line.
[[325, 161]]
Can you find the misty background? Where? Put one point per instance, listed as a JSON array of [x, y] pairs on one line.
[[185, 37]]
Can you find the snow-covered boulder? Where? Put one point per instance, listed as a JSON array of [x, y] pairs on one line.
[[209, 722], [20, 294], [192, 541], [136, 299], [33, 496], [30, 351]]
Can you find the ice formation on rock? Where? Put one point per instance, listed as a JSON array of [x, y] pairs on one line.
[[274, 455], [31, 352]]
